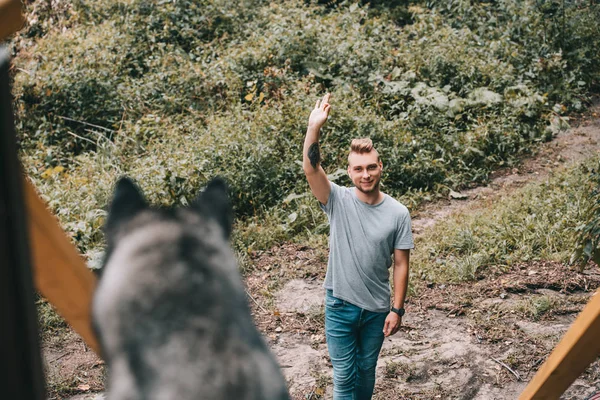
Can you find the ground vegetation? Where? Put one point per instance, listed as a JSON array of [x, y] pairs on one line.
[[173, 93]]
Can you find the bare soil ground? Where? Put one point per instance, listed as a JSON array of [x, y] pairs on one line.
[[481, 340], [70, 366]]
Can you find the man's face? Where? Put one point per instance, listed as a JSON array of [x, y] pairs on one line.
[[365, 170]]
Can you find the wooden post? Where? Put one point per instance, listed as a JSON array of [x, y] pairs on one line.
[[576, 351], [21, 375]]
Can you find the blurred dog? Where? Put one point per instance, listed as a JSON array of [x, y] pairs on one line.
[[170, 310]]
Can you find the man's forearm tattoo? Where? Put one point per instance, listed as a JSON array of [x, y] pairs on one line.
[[314, 154]]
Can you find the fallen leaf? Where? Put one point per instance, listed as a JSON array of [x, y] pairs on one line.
[[83, 388], [47, 173]]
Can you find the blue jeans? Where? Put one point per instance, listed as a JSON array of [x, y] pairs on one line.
[[354, 339]]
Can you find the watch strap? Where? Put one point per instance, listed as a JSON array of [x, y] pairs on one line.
[[399, 311]]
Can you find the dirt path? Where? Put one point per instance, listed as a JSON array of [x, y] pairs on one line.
[[475, 341]]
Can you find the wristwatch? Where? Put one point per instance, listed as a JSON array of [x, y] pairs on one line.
[[399, 311]]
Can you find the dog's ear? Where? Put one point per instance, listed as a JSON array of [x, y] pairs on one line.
[[127, 201], [213, 202]]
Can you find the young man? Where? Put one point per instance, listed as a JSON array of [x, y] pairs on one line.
[[366, 228]]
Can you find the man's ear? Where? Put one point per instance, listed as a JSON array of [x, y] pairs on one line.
[[214, 202], [127, 201]]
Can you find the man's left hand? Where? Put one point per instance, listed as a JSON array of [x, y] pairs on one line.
[[392, 323]]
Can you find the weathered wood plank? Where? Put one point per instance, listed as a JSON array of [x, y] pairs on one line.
[[60, 273], [579, 347]]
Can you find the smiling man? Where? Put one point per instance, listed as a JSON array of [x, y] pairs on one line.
[[367, 227]]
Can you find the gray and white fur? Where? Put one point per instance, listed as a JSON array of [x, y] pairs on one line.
[[170, 310]]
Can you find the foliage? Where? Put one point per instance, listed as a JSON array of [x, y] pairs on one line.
[[556, 58], [175, 92], [535, 222], [588, 233]]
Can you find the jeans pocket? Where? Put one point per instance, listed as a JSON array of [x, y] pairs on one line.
[[333, 302]]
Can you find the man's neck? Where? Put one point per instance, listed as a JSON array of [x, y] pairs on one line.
[[371, 198]]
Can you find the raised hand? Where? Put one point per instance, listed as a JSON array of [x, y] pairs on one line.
[[319, 114]]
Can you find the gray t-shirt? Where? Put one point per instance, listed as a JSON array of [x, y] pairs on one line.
[[362, 240]]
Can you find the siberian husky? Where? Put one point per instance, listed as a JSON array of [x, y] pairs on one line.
[[170, 310]]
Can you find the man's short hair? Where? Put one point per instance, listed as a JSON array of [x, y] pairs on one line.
[[362, 146]]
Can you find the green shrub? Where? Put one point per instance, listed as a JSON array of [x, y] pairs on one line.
[[173, 93]]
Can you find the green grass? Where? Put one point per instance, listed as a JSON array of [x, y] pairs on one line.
[[536, 307], [536, 222], [51, 324]]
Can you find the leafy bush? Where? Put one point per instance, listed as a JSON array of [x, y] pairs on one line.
[[548, 42], [173, 93]]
